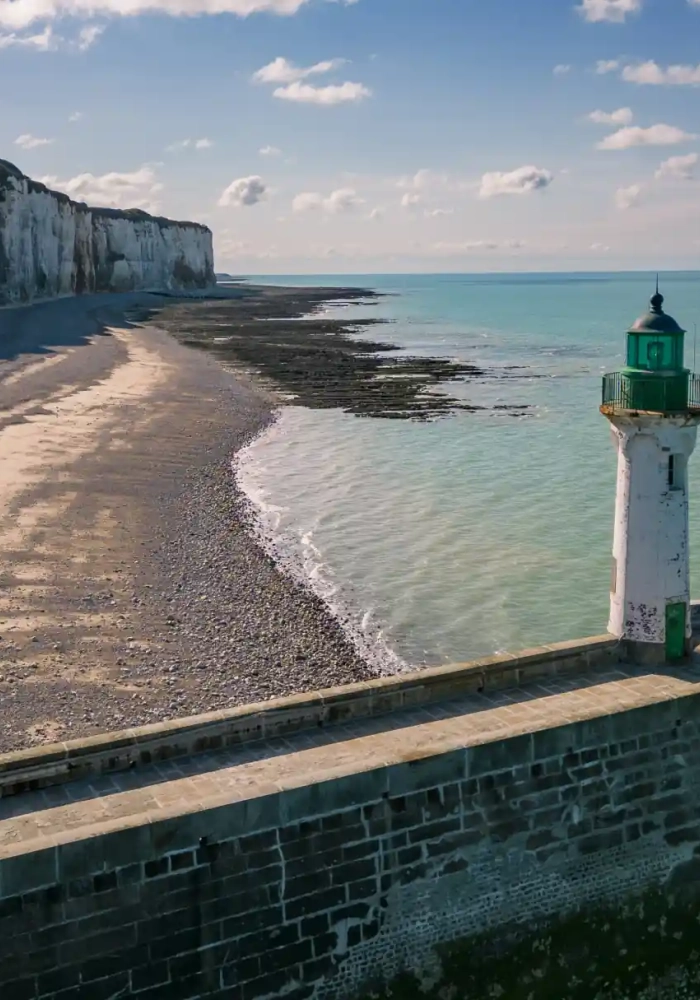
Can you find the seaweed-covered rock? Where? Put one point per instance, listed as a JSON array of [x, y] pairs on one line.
[[324, 363]]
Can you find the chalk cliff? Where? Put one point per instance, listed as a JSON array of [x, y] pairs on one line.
[[51, 245]]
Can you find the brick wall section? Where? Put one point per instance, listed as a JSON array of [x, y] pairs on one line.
[[42, 767], [307, 894]]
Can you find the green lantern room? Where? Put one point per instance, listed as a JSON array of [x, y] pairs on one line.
[[654, 379]]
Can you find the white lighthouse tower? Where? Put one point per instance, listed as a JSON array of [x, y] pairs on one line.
[[653, 405]]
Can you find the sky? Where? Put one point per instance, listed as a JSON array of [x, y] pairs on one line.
[[365, 136]]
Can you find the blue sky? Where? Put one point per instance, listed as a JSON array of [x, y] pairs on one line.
[[378, 135]]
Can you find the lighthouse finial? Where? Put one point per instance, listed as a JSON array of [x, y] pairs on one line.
[[657, 300]]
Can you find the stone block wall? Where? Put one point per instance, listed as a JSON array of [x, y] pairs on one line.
[[312, 893]]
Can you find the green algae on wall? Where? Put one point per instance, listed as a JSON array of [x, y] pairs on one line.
[[647, 949]]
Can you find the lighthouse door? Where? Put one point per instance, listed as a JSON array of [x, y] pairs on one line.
[[675, 631]]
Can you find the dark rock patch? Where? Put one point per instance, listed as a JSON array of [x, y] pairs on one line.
[[323, 363]]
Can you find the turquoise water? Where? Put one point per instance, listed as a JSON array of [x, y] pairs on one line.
[[480, 532]]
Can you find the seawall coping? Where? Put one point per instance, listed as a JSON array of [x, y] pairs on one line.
[[41, 767], [106, 828]]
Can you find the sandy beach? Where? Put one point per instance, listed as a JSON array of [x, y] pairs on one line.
[[130, 587]]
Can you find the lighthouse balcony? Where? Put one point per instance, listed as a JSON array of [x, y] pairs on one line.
[[658, 392]]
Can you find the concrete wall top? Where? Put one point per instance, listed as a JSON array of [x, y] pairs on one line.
[[115, 821], [41, 767]]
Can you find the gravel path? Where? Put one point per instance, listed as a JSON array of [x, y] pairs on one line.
[[131, 590]]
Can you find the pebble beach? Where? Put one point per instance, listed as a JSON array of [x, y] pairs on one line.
[[131, 588]]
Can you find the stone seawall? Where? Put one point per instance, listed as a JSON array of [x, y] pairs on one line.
[[290, 886], [51, 245], [58, 763]]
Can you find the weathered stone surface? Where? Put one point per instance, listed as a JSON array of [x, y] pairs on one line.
[[42, 767], [522, 864]]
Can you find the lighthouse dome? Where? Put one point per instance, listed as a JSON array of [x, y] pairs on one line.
[[656, 320]]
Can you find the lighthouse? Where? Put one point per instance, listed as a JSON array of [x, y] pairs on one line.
[[653, 405]]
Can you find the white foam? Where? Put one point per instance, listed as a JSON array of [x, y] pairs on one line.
[[295, 553]]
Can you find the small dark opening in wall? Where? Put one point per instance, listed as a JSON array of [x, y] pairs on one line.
[[676, 472]]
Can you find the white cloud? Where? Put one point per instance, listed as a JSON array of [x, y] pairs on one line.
[[137, 189], [270, 151], [375, 214], [655, 135], [243, 192], [305, 93], [88, 36], [451, 248], [627, 197], [599, 247], [608, 10], [561, 69], [623, 116], [307, 201], [410, 201], [651, 73], [189, 144], [292, 88], [436, 213], [606, 66], [677, 168], [474, 246], [524, 180], [48, 41], [280, 70], [422, 180], [75, 116], [342, 200], [28, 141], [20, 14], [426, 185]]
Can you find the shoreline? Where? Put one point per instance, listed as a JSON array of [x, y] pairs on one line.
[[134, 586], [289, 556], [131, 587]]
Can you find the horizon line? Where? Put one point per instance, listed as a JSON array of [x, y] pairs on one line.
[[331, 274]]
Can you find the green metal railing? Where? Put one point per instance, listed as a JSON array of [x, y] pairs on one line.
[[676, 393]]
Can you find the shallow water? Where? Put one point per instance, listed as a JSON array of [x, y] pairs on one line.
[[480, 532]]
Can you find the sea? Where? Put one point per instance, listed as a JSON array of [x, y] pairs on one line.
[[479, 532]]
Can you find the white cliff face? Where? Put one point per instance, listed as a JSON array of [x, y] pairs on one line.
[[50, 245]]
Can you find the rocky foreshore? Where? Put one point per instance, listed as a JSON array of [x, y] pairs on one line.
[[282, 335]]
